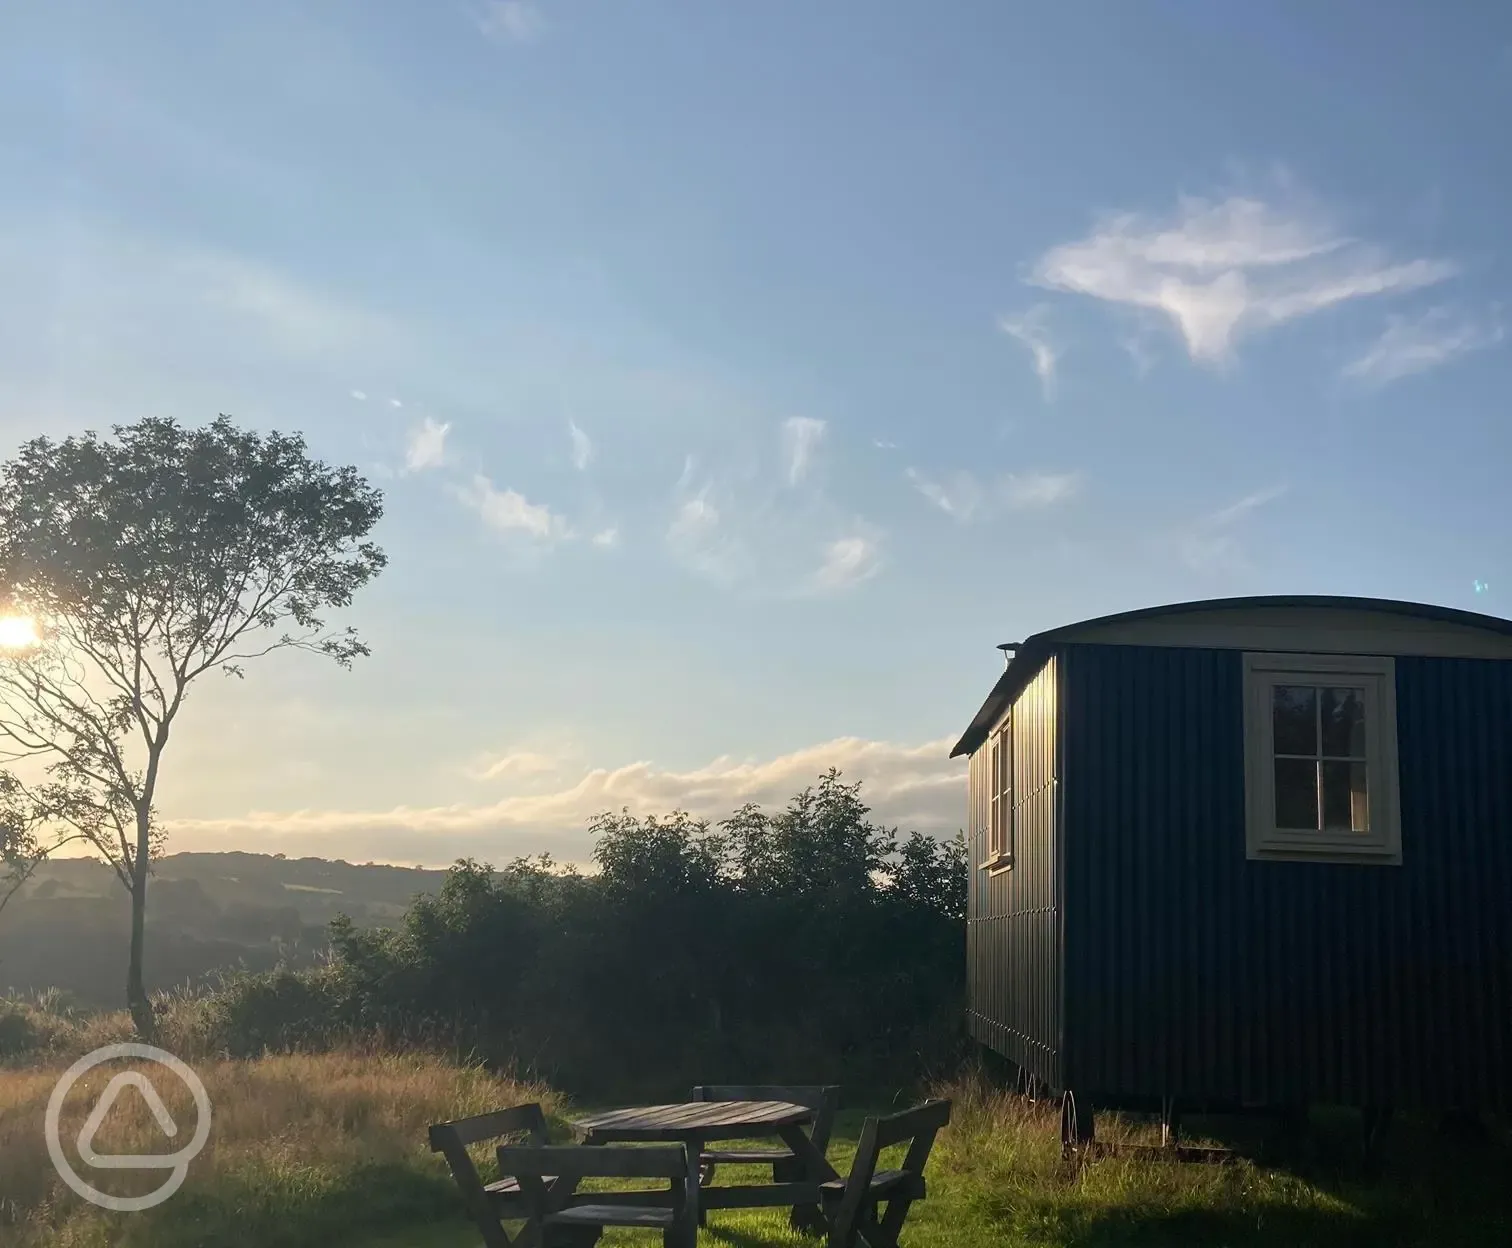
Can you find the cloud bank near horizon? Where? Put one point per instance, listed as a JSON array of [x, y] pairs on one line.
[[911, 787]]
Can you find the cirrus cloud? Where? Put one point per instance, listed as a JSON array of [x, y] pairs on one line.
[[800, 437], [426, 445], [511, 21], [1210, 545], [509, 511], [1219, 271], [964, 497], [1411, 345], [582, 446], [847, 562], [1030, 330]]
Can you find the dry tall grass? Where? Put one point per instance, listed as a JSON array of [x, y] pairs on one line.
[[302, 1149]]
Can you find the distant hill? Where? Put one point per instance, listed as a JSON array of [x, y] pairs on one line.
[[70, 925]]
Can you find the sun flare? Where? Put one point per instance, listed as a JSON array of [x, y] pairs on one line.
[[17, 632]]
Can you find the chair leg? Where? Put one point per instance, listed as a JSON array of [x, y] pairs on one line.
[[859, 1233], [890, 1225], [685, 1236], [867, 1230], [807, 1220]]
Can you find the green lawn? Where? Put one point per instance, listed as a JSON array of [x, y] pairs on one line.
[[996, 1178]]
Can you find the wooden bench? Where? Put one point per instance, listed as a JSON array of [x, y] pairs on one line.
[[852, 1206], [490, 1203], [549, 1176]]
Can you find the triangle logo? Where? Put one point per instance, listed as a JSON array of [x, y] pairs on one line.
[[126, 1161]]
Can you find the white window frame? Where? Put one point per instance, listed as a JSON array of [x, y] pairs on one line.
[[1000, 797], [1264, 841]]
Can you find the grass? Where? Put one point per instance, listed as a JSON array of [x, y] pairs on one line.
[[330, 1151], [303, 1150]]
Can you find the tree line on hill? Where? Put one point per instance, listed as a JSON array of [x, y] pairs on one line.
[[210, 913]]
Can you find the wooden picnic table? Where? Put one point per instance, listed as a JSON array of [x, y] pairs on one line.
[[696, 1123]]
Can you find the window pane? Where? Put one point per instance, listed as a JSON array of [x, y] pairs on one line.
[[1344, 723], [1294, 715], [1346, 806], [1297, 794]]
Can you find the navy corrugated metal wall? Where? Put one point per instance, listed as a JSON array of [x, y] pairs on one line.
[[1013, 917], [1192, 971]]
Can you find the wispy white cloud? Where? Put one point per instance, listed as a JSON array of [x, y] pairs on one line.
[[1211, 545], [95, 315], [426, 445], [511, 21], [911, 786], [517, 764], [607, 538], [960, 495], [1411, 345], [1039, 489], [582, 446], [396, 403], [882, 444], [1235, 511], [695, 517], [1030, 330], [964, 497], [359, 395], [508, 511], [734, 525], [696, 538], [1219, 271], [294, 315], [847, 562], [800, 437], [1138, 350]]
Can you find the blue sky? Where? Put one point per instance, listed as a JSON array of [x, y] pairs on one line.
[[739, 375]]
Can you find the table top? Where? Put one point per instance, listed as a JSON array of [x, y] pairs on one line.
[[702, 1120]]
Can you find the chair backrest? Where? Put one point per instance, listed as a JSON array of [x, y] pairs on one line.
[[823, 1099], [918, 1125], [451, 1139]]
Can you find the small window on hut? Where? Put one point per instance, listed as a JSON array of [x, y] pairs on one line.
[[1321, 758], [1000, 789]]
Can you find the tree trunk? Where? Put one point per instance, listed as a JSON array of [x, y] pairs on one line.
[[136, 991]]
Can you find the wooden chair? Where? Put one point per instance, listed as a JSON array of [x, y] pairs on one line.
[[567, 1219], [852, 1204], [489, 1203], [824, 1100]]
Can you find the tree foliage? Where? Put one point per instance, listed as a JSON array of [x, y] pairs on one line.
[[795, 946], [145, 562]]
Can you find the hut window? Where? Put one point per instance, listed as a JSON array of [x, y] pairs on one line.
[[1320, 758], [1000, 781]]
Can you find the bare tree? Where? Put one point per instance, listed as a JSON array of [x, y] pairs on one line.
[[128, 568]]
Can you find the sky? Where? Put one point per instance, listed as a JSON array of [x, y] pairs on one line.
[[738, 376]]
